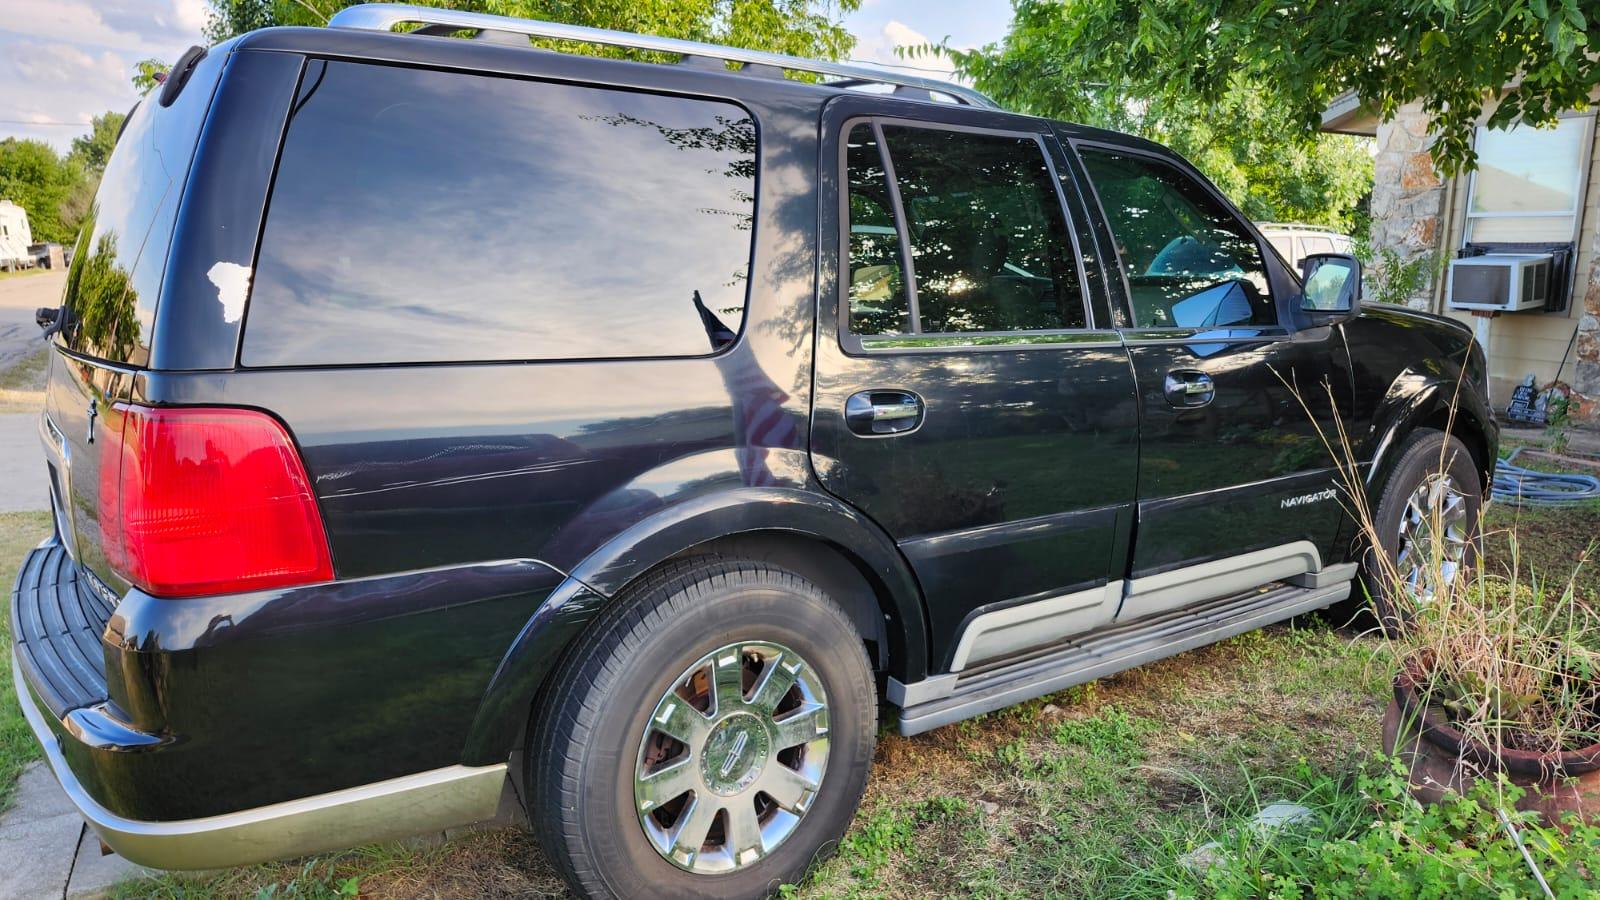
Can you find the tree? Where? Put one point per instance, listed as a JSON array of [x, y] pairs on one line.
[[1242, 139], [147, 73], [38, 180], [93, 149], [1536, 57], [808, 28]]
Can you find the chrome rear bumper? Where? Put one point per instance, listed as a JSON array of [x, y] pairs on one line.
[[385, 810]]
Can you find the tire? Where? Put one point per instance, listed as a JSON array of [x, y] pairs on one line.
[[589, 739], [1424, 456]]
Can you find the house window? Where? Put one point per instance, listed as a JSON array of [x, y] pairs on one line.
[[1528, 187]]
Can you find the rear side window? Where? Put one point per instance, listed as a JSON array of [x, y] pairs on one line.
[[425, 216], [121, 255], [1190, 263], [988, 240]]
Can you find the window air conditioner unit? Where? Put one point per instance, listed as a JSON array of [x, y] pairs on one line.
[[1499, 282]]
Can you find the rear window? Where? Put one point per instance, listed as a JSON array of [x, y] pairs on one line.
[[422, 216], [116, 271]]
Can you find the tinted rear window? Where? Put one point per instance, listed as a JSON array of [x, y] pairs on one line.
[[116, 271], [423, 216]]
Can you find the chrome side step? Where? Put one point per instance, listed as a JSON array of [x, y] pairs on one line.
[[943, 699]]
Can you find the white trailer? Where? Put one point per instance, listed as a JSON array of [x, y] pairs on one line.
[[15, 237]]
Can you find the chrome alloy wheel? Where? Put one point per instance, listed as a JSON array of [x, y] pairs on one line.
[[732, 757], [1436, 510]]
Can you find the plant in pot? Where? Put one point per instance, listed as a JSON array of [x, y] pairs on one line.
[[1499, 670]]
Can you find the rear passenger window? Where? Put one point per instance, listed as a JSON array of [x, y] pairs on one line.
[[425, 216], [878, 303], [1190, 263], [990, 251]]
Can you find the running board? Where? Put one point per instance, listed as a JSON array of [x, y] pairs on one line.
[[943, 699]]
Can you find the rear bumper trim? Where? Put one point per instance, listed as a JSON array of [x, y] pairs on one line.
[[385, 810]]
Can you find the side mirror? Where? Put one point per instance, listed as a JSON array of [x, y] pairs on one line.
[[1332, 286]]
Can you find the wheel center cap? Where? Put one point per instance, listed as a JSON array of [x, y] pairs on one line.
[[734, 753]]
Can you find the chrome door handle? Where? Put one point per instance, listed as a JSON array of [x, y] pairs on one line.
[[1187, 389], [881, 413]]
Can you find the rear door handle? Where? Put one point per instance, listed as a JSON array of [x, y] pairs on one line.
[[1188, 389], [882, 413]]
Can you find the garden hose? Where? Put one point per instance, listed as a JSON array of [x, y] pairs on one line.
[[1518, 485]]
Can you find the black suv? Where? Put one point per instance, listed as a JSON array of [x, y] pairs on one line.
[[758, 405]]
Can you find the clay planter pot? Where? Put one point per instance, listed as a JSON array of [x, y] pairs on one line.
[[1441, 759]]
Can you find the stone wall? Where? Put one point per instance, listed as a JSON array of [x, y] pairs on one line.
[[1407, 195], [1586, 377]]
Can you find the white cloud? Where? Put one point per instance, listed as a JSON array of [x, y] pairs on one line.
[[879, 48], [190, 15], [65, 61]]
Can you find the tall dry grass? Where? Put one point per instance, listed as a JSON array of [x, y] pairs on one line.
[[1510, 656]]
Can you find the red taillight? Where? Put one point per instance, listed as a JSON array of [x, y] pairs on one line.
[[210, 501]]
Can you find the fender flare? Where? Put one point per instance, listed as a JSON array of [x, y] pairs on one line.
[[1415, 398], [593, 583]]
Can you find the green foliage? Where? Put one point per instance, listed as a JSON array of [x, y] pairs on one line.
[[147, 74], [1243, 138], [1178, 54], [1397, 848], [808, 28], [229, 18], [93, 149], [1388, 278], [35, 177]]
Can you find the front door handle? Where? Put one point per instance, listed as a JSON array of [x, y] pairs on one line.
[[883, 413], [1188, 389]]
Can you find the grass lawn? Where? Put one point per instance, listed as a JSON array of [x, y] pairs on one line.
[[19, 532], [23, 273]]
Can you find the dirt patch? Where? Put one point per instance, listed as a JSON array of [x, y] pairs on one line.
[[1551, 542]]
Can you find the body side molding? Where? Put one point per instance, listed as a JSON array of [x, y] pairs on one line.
[[1218, 578], [1192, 606], [1037, 623], [943, 699]]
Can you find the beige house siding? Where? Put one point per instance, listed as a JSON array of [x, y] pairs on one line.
[[1418, 214]]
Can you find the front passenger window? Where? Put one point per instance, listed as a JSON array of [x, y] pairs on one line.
[[1190, 263]]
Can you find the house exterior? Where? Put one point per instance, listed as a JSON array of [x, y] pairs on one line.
[[1534, 188], [15, 236]]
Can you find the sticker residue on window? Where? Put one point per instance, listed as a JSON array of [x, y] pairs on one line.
[[233, 285]]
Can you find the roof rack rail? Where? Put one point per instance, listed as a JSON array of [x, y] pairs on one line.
[[385, 16]]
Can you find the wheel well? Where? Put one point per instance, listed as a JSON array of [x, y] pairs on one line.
[[830, 568], [1466, 431]]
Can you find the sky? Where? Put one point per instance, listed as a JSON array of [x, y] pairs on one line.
[[65, 61]]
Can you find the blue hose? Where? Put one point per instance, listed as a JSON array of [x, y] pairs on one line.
[[1518, 485]]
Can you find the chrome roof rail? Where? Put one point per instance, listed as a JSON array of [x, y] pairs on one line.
[[385, 16]]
